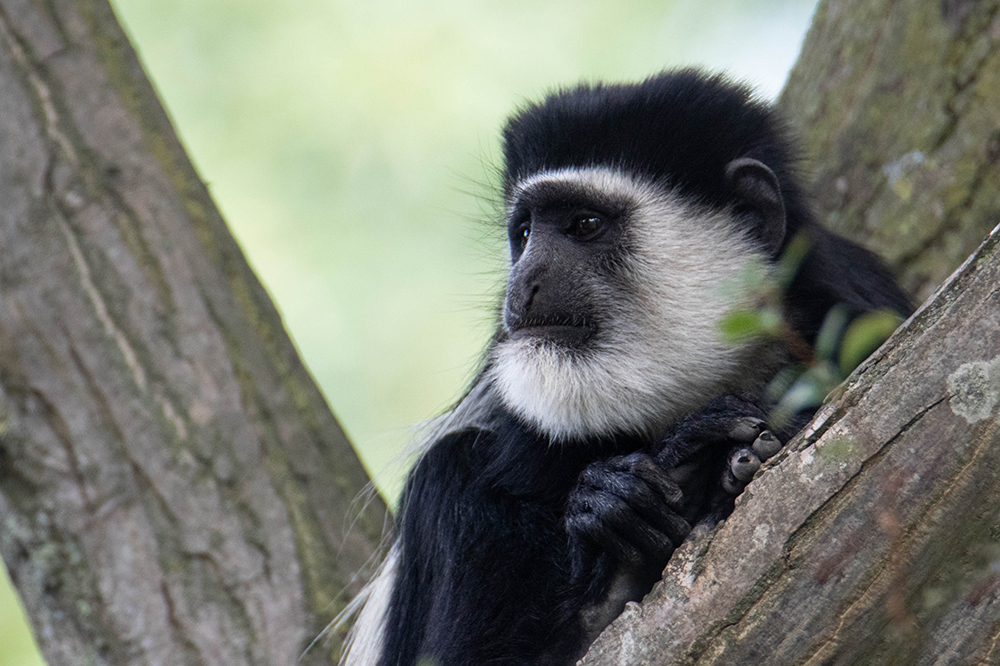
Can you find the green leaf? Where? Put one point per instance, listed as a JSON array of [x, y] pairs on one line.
[[739, 325], [865, 335], [792, 258], [834, 322], [808, 391]]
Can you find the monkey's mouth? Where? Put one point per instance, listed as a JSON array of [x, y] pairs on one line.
[[561, 331]]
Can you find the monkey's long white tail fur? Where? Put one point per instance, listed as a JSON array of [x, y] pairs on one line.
[[371, 606], [364, 640]]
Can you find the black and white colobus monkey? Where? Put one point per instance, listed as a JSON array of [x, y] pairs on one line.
[[602, 425]]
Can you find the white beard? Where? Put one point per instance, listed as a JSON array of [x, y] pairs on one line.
[[658, 352]]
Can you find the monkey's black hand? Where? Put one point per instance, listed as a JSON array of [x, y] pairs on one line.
[[744, 460], [626, 507], [713, 453]]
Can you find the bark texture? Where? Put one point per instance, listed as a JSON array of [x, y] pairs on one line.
[[172, 484], [898, 102], [875, 539]]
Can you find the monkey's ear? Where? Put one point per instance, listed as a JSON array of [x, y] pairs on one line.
[[757, 192]]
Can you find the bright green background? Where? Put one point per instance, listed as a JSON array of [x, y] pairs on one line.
[[351, 146]]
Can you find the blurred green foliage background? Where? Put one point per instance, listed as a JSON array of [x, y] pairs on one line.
[[352, 146]]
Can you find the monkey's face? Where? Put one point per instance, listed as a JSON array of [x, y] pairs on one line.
[[616, 291]]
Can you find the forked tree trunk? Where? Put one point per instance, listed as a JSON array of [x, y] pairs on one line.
[[173, 487], [876, 538]]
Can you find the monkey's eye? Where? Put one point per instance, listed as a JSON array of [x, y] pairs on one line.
[[585, 227], [519, 234], [519, 237]]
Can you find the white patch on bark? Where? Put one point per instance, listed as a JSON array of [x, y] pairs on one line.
[[760, 535], [975, 389]]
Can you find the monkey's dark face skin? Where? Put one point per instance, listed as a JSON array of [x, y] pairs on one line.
[[610, 416], [564, 240]]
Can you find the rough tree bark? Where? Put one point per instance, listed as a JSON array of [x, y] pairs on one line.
[[173, 487], [875, 539], [899, 105]]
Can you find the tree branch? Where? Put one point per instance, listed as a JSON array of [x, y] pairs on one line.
[[896, 101]]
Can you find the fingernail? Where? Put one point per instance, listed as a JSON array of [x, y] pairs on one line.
[[744, 464], [766, 445]]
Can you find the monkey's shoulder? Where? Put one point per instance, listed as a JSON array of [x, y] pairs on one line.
[[506, 461]]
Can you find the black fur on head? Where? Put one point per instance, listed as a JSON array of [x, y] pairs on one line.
[[678, 128]]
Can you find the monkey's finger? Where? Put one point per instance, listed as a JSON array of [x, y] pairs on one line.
[[614, 530], [766, 445], [746, 429], [658, 478], [642, 467], [744, 463], [629, 488], [730, 483], [647, 540], [649, 529], [672, 525]]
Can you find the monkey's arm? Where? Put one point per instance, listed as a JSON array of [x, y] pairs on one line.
[[483, 573]]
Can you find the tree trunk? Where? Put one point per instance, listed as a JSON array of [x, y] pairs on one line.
[[173, 487], [899, 105], [875, 539]]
